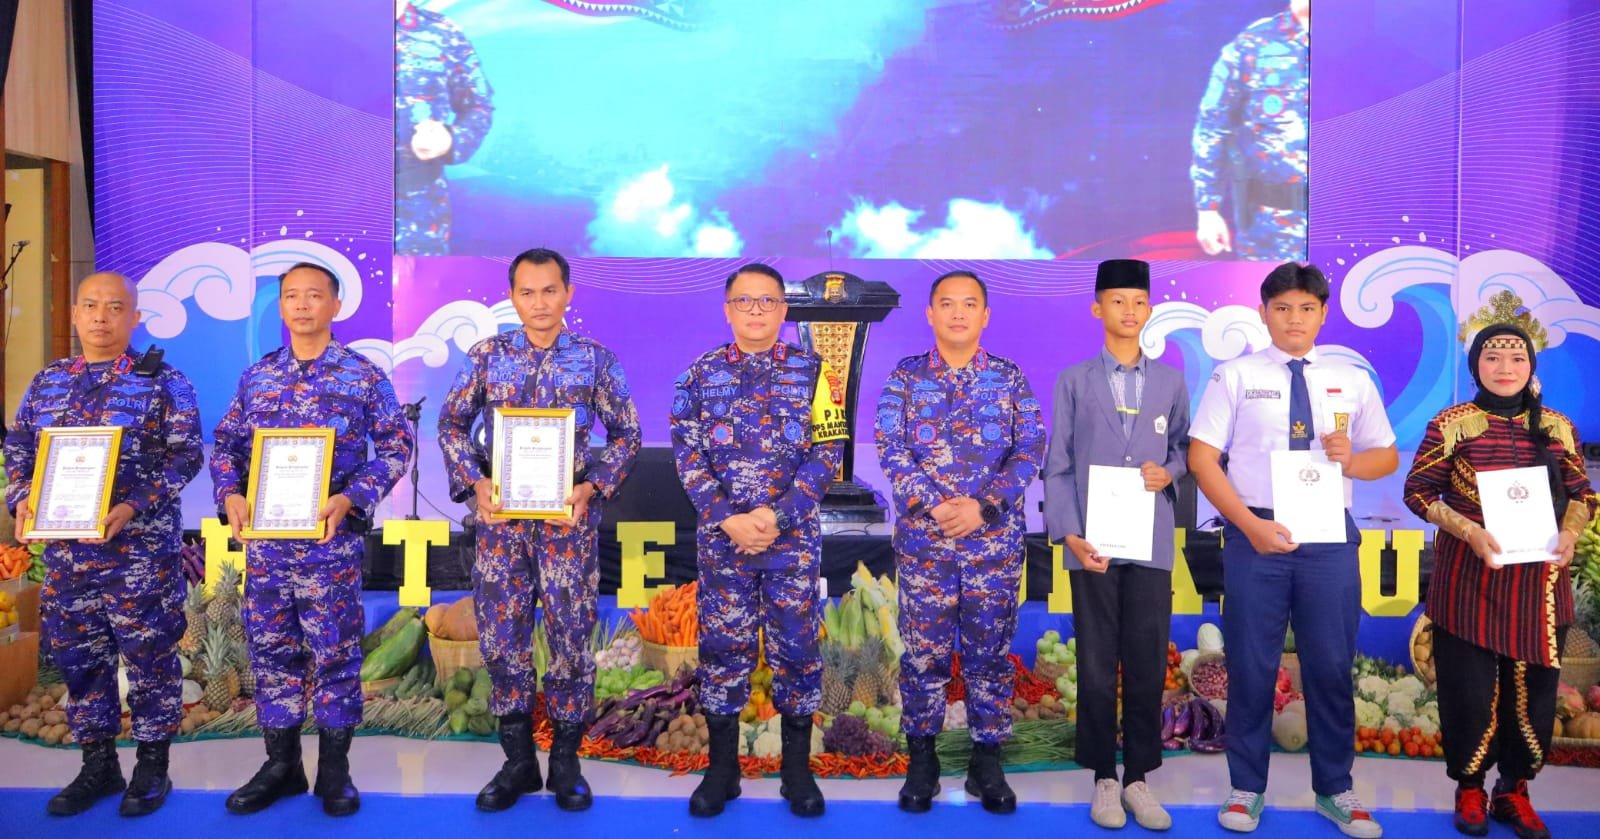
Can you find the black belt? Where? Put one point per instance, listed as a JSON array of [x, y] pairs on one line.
[[1276, 196]]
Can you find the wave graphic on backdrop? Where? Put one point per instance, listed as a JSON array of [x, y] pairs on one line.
[[1423, 279], [460, 322], [221, 280], [1207, 337]]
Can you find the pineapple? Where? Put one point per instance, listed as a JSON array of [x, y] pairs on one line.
[[194, 608], [870, 685], [222, 681], [835, 681], [1586, 607], [224, 603], [241, 664]]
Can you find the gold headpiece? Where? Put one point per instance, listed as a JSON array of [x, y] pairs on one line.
[[1505, 307]]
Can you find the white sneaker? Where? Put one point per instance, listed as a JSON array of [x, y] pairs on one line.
[[1241, 813], [1106, 810], [1346, 811], [1141, 802]]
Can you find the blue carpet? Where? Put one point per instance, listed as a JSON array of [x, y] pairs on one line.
[[201, 814]]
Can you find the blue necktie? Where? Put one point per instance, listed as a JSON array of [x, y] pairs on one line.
[[1300, 427]]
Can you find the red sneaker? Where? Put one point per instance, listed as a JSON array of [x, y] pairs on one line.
[[1472, 811], [1513, 807]]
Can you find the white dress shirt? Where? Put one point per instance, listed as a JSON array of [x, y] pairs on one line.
[[1245, 412]]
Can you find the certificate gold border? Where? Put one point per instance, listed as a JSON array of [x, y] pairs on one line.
[[41, 456], [569, 425], [323, 435]]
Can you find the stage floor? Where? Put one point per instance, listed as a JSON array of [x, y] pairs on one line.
[[394, 771]]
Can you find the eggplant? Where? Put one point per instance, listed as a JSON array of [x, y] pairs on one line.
[[1209, 746], [1172, 744], [1213, 718], [1200, 727], [1168, 716], [1183, 722]]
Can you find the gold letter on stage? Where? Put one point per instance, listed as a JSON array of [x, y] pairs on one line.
[[1407, 573], [637, 563], [215, 534], [416, 536]]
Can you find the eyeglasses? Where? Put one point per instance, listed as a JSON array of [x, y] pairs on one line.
[[745, 303]]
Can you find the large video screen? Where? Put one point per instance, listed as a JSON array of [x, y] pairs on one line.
[[913, 129]]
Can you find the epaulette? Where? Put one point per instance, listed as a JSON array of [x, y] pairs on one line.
[[1460, 423]]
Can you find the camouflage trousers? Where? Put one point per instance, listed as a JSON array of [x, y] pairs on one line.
[[735, 601], [303, 621], [946, 598], [520, 565], [99, 603]]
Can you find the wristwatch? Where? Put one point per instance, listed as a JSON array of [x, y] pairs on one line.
[[989, 510], [784, 522]]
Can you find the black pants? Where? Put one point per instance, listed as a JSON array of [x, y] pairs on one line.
[[1492, 709], [1123, 616]]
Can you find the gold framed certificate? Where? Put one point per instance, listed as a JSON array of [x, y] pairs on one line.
[[72, 476], [289, 473], [533, 461]]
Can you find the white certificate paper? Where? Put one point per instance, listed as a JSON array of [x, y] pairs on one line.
[[290, 486], [1518, 512], [76, 477], [1121, 517], [536, 457], [1308, 496]]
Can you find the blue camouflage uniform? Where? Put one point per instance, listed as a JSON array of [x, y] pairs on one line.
[[125, 596], [753, 430], [522, 560], [1255, 110], [437, 77], [302, 601], [977, 432]]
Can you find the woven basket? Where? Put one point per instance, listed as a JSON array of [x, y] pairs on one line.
[[668, 659], [1424, 671], [1576, 743], [1580, 673], [450, 656]]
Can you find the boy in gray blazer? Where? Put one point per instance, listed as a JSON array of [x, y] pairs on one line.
[[1120, 409]]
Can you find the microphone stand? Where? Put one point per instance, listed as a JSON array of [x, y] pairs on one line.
[[413, 415]]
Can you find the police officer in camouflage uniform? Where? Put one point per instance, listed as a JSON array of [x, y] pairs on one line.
[[1250, 141], [122, 594], [441, 114], [960, 436], [304, 595], [541, 365], [758, 431]]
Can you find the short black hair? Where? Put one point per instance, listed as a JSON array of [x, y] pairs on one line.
[[1293, 276], [754, 268], [540, 256], [313, 266], [983, 289]]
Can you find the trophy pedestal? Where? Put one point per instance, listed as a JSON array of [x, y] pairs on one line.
[[850, 503]]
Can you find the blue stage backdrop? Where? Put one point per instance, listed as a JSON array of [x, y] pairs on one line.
[[663, 143]]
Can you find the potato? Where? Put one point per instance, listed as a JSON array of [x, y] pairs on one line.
[[30, 713], [58, 691], [186, 727], [47, 702], [30, 727], [14, 725], [54, 717]]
